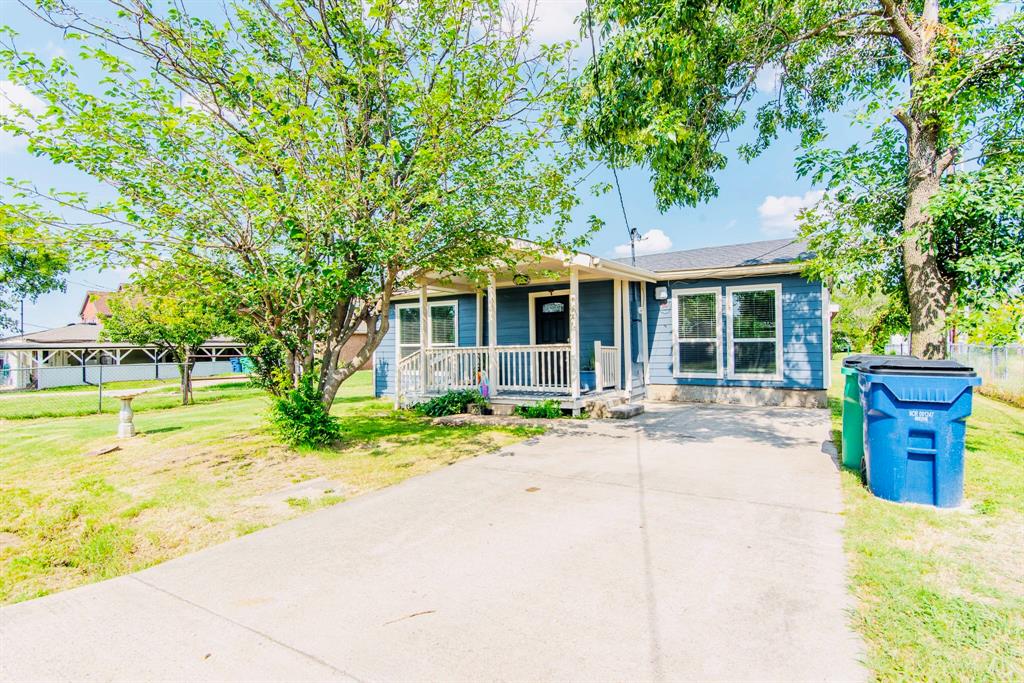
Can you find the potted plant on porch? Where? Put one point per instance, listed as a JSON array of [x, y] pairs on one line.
[[588, 376]]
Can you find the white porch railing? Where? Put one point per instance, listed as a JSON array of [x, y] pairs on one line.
[[534, 367], [407, 377], [455, 367], [607, 365], [520, 368]]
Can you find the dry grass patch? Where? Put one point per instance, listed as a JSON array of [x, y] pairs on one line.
[[194, 477]]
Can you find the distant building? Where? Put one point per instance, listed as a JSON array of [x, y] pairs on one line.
[[94, 306], [70, 355], [74, 355]]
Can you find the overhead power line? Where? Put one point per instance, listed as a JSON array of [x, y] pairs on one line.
[[633, 232]]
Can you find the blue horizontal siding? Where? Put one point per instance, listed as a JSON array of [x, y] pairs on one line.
[[596, 323], [802, 334], [384, 357]]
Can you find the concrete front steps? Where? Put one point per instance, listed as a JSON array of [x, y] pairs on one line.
[[625, 411], [612, 407]]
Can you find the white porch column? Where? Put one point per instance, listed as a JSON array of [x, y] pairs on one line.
[[492, 335], [617, 321], [644, 349], [479, 318], [627, 351], [424, 337], [574, 331]]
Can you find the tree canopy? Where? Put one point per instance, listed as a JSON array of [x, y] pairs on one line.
[[305, 160], [930, 202], [30, 265]]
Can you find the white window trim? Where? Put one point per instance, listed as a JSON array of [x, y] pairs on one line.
[[398, 331], [430, 315], [732, 374], [533, 309], [676, 372], [430, 322]]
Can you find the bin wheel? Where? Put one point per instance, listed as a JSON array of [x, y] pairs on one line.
[[864, 470]]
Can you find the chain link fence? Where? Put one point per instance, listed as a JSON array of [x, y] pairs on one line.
[[63, 391], [1000, 367]]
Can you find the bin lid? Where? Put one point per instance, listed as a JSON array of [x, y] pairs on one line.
[[858, 359], [905, 365]]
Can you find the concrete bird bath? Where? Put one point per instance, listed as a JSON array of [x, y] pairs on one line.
[[125, 425]]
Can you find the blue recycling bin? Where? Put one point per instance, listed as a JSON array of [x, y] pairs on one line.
[[915, 420]]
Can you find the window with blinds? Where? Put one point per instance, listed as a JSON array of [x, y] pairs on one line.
[[408, 330], [756, 332], [442, 325], [697, 349]]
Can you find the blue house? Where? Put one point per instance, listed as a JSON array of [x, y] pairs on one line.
[[735, 324]]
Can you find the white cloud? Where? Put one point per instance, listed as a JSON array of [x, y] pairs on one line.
[[13, 96], [187, 101], [767, 80], [1004, 10], [650, 242], [778, 214], [554, 20], [55, 50]]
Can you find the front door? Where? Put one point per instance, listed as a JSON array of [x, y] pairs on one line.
[[551, 324], [551, 315]]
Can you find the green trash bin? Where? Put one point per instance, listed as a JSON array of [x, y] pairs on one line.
[[853, 413]]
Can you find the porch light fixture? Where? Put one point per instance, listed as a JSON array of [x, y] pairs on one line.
[[661, 293], [520, 279]]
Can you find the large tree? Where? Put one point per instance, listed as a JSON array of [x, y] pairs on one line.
[[305, 159], [930, 203]]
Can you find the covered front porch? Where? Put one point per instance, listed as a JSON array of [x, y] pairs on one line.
[[565, 329]]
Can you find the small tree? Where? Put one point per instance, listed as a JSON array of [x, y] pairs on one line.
[[173, 325], [851, 325]]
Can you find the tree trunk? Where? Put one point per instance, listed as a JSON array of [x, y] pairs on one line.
[[185, 369], [334, 375], [186, 361], [929, 292]]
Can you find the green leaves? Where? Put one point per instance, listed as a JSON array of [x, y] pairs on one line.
[[674, 80], [305, 161], [32, 262]]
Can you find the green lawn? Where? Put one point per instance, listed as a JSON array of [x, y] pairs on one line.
[[171, 383], [195, 476], [85, 401], [941, 593]]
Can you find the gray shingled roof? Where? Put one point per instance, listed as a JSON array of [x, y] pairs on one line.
[[82, 334], [75, 332], [728, 256]]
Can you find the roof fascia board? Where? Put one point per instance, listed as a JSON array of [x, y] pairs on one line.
[[729, 272]]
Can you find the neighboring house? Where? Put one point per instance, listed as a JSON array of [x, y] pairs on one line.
[[73, 355], [94, 306], [70, 355], [735, 324], [355, 344]]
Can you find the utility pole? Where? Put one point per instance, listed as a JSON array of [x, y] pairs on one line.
[[22, 325]]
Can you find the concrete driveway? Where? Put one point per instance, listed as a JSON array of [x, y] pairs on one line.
[[691, 543]]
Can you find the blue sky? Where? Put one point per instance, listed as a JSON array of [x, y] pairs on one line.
[[756, 200]]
